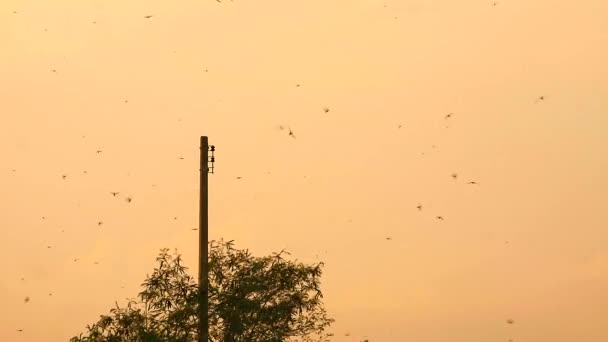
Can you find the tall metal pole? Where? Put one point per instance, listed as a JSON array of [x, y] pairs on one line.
[[203, 248]]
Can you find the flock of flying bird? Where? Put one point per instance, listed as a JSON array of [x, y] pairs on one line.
[[291, 134]]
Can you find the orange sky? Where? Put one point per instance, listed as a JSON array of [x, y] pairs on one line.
[[351, 177]]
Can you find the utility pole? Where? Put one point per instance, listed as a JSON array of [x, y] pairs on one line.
[[203, 240]]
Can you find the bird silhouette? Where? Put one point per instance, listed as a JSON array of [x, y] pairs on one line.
[[239, 177], [325, 109], [98, 151], [20, 330], [399, 126], [96, 263], [99, 223], [440, 218], [510, 321], [128, 199], [53, 70], [540, 98], [148, 16], [448, 116], [193, 228], [75, 259], [48, 247], [389, 238], [474, 183], [26, 299], [454, 175], [114, 193], [291, 133], [64, 176], [419, 207], [297, 85]]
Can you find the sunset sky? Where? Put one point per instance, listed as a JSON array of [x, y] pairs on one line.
[[529, 242]]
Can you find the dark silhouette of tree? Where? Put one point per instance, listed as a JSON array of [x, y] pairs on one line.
[[262, 299]]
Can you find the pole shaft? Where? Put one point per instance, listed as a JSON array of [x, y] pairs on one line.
[[203, 246]]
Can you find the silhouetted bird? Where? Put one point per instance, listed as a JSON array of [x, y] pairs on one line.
[[96, 263], [474, 183], [454, 175], [48, 246], [540, 98], [325, 109], [128, 199], [239, 177], [20, 330], [419, 207], [440, 218], [148, 16], [448, 116], [399, 126], [99, 223], [297, 85], [181, 158], [388, 238], [75, 259], [26, 299], [291, 133], [64, 176], [510, 321], [114, 193], [194, 229], [54, 70]]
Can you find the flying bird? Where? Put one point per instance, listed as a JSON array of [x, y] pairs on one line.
[[474, 183], [48, 247], [454, 175], [291, 133], [114, 193], [239, 177], [399, 126], [194, 229], [148, 16], [64, 176], [440, 218], [75, 259], [389, 238], [54, 70], [26, 299], [99, 223], [540, 98], [128, 199], [298, 85], [96, 263], [510, 321], [325, 109], [419, 207], [20, 330], [448, 116]]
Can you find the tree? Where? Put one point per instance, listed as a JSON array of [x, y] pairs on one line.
[[262, 299]]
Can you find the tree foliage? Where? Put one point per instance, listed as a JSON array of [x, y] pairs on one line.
[[264, 299]]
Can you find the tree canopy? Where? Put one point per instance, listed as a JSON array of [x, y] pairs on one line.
[[262, 299]]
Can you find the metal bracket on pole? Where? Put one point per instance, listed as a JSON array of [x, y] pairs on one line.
[[211, 158]]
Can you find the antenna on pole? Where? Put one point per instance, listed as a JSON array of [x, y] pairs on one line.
[[207, 167]]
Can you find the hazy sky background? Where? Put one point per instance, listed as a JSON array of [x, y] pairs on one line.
[[351, 177]]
